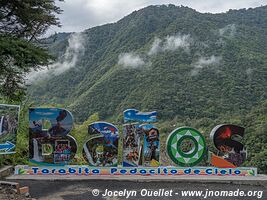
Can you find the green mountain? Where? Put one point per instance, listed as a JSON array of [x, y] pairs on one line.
[[175, 60], [195, 69]]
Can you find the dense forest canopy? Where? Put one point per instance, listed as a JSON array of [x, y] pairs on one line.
[[175, 60]]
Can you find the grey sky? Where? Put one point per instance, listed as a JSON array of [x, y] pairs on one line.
[[79, 15]]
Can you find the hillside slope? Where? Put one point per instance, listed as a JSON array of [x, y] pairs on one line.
[[175, 60]]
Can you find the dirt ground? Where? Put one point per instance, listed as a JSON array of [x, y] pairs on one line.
[[7, 193]]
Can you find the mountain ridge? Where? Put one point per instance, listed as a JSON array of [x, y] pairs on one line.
[[98, 83]]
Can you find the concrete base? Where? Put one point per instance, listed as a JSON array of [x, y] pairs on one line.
[[6, 171], [243, 180]]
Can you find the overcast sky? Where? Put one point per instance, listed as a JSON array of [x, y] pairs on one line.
[[79, 15]]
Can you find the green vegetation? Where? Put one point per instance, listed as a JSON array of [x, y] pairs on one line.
[[218, 76], [21, 23], [22, 147]]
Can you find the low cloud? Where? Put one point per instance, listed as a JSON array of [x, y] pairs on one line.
[[179, 41], [203, 62], [69, 59], [130, 60], [170, 43], [74, 50], [156, 47], [228, 31], [249, 71]]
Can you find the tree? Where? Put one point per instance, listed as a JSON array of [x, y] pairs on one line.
[[21, 23]]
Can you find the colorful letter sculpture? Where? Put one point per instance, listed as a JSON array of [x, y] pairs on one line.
[[102, 148], [9, 115], [133, 115], [186, 146], [227, 139], [132, 147], [151, 145], [140, 141], [49, 141]]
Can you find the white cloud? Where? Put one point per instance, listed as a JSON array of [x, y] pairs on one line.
[[170, 43], [74, 50], [203, 62], [249, 71], [37, 75], [178, 41], [229, 30], [130, 60], [156, 47]]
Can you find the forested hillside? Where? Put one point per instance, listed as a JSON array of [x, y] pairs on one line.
[[195, 69]]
